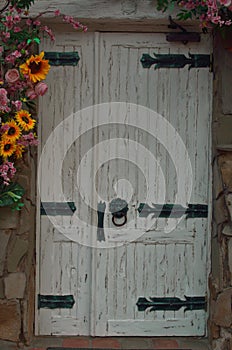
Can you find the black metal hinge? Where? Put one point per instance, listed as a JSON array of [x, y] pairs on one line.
[[101, 207], [173, 210], [183, 35], [57, 208], [62, 58], [171, 304], [55, 301], [175, 61]]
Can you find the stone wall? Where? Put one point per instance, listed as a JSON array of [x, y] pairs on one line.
[[17, 255], [221, 277]]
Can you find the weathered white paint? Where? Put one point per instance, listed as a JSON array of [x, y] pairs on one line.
[[106, 283], [101, 9], [105, 15], [169, 327]]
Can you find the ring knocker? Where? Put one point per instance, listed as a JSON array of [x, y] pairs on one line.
[[118, 208]]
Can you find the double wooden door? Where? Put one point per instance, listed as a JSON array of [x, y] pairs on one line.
[[119, 130]]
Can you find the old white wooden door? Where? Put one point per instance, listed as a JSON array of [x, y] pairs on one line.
[[125, 151]]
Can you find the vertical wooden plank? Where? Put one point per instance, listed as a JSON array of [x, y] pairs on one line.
[[131, 277], [150, 276], [69, 89], [139, 268]]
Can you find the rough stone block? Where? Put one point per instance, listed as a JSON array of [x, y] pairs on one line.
[[23, 180], [10, 320], [214, 331], [15, 254], [230, 258], [222, 312], [216, 264], [220, 213], [29, 307], [4, 238], [227, 230], [2, 294], [8, 219], [226, 170], [27, 219], [226, 74], [218, 183], [228, 198], [15, 284]]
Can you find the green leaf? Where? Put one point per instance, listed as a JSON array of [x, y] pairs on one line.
[[17, 206], [11, 195], [22, 4], [37, 40]]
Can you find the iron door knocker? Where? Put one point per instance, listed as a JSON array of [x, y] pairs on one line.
[[118, 208]]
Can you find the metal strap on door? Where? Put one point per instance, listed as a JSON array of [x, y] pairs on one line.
[[62, 58], [119, 208]]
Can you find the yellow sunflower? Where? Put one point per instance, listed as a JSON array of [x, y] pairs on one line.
[[13, 133], [24, 120], [35, 67], [7, 148], [19, 151]]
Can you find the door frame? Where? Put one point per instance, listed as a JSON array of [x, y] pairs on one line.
[[125, 27]]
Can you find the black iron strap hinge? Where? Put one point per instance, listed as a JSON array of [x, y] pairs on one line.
[[62, 58], [55, 301], [171, 304], [57, 208], [176, 60], [173, 210]]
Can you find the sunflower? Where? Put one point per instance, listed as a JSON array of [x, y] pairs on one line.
[[24, 120], [35, 67], [7, 148], [19, 151], [13, 132]]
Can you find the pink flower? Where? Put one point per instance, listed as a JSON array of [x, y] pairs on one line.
[[9, 18], [4, 128], [17, 104], [16, 54], [17, 29], [12, 75], [17, 19], [31, 94], [7, 172], [10, 59], [28, 21], [49, 32], [6, 35], [41, 88], [36, 23], [3, 99], [28, 140], [57, 12], [225, 2]]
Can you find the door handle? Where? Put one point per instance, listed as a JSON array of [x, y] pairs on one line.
[[118, 208]]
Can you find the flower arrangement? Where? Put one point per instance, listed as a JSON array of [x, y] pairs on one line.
[[211, 13], [22, 76]]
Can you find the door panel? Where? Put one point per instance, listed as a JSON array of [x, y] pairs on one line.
[[157, 264], [164, 257], [64, 266]]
